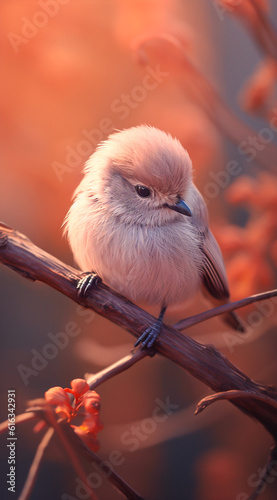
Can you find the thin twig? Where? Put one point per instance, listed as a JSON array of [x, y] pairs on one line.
[[123, 364], [208, 400], [267, 472], [23, 417], [33, 471], [217, 311], [117, 481]]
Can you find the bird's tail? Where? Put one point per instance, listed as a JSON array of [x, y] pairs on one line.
[[234, 321]]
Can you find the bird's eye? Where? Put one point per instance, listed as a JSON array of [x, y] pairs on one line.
[[142, 191]]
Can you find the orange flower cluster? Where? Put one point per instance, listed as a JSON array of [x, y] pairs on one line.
[[252, 249], [86, 403]]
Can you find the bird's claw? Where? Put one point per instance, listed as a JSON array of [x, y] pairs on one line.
[[86, 282], [148, 338]]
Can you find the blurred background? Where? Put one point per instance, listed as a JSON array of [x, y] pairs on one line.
[[73, 72]]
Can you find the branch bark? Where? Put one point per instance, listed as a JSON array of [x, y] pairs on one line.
[[203, 362]]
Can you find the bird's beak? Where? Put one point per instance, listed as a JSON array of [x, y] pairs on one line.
[[180, 207]]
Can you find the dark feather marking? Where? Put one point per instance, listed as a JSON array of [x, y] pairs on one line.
[[212, 280]]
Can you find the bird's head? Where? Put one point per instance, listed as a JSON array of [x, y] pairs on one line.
[[141, 175]]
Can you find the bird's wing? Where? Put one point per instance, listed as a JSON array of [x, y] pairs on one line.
[[214, 273], [213, 269]]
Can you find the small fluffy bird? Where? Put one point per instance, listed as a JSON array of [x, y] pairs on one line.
[[139, 222]]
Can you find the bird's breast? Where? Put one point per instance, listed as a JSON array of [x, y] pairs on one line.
[[157, 265]]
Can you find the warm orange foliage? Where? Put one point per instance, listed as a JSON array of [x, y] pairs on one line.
[[249, 249], [258, 93]]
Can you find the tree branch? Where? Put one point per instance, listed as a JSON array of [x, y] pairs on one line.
[[229, 395], [76, 448], [34, 469], [203, 362]]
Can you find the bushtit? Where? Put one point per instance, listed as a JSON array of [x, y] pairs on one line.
[[139, 222]]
